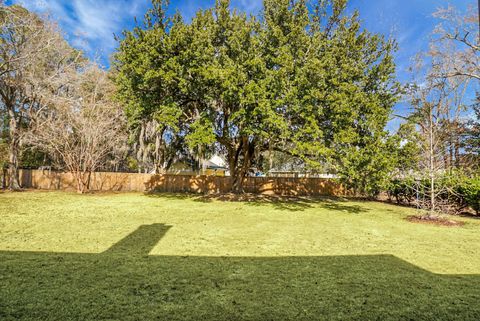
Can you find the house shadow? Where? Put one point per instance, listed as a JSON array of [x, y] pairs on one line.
[[126, 283]]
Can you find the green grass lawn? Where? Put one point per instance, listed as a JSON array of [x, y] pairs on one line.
[[139, 257]]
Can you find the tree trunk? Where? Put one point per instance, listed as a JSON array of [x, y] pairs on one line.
[[457, 151], [432, 195], [235, 176], [83, 181], [239, 170], [13, 175], [432, 166], [4, 177], [237, 184], [79, 183]]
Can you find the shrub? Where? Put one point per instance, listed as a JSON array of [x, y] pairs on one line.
[[402, 190], [454, 192], [469, 191]]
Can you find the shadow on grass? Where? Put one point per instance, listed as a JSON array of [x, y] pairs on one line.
[[288, 203], [173, 196], [125, 283]]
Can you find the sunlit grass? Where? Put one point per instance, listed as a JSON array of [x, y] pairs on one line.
[[176, 257], [61, 222]]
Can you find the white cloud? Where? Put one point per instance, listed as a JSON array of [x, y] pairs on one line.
[[90, 24]]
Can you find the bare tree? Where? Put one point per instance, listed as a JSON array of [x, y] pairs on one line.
[[459, 30], [455, 58], [31, 50], [80, 127], [427, 115], [438, 103], [443, 77]]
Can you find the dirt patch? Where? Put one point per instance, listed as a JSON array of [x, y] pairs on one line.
[[434, 220]]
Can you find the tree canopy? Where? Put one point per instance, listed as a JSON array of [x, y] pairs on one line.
[[304, 80]]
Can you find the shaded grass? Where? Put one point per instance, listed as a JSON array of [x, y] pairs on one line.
[[133, 257], [288, 203]]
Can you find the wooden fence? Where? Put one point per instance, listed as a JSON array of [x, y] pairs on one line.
[[131, 182]]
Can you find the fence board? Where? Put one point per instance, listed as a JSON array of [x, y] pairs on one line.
[[132, 182]]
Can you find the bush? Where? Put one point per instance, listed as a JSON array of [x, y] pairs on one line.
[[402, 190], [454, 192], [469, 191]]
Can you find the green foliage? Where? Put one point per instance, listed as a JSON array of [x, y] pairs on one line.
[[469, 190], [406, 148], [132, 164], [201, 134], [307, 83], [403, 190], [368, 170], [33, 158], [471, 143], [454, 191]]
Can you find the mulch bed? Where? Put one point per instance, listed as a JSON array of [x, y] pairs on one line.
[[434, 220]]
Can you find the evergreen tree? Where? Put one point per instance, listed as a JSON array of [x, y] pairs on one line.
[[306, 82]]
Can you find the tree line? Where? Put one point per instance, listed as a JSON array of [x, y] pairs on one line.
[[55, 104], [301, 83]]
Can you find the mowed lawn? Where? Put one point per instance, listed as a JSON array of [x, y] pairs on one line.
[[172, 257]]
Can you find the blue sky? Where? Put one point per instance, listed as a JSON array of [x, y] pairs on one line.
[[90, 24]]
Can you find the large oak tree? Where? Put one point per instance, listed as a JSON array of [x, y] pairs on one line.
[[299, 79]]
